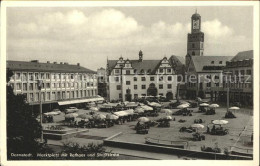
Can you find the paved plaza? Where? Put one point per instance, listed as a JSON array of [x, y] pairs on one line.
[[240, 130]]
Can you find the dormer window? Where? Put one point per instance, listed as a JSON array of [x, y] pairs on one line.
[[220, 62], [149, 71], [212, 62], [142, 71]]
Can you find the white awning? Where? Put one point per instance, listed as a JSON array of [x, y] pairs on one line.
[[67, 102]]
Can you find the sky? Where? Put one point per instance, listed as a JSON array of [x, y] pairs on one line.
[[91, 35]]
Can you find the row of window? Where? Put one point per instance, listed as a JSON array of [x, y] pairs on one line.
[[33, 86], [241, 72], [238, 85], [37, 76], [169, 86], [231, 85], [136, 95], [142, 71], [117, 79], [240, 63], [50, 96], [208, 85]]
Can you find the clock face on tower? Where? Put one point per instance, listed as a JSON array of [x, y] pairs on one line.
[[196, 24]]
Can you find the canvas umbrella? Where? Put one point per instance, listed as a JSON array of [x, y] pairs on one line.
[[121, 113], [139, 110], [155, 104], [99, 116], [147, 108], [184, 102], [130, 111], [111, 117], [51, 113], [214, 106], [220, 122], [85, 116], [198, 126], [167, 111], [183, 106], [204, 105], [167, 118], [234, 108], [93, 108], [71, 115], [143, 119]]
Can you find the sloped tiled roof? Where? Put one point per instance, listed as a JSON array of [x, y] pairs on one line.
[[111, 64], [46, 67], [243, 55], [178, 63], [144, 65], [201, 61]]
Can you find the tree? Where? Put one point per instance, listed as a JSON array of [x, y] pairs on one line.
[[23, 130]]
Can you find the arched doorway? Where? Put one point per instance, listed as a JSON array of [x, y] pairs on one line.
[[128, 95], [169, 96], [152, 90]]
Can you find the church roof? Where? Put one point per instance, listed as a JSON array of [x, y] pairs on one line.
[[196, 15], [46, 67], [243, 55], [210, 63]]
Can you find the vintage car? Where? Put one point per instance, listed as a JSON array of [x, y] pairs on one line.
[[218, 130], [142, 128]]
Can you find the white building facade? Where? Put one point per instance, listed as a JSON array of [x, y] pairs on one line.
[[61, 82], [130, 79]]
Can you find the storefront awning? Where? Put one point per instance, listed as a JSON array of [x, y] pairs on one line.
[[67, 102]]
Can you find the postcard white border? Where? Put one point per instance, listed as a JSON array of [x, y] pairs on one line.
[[5, 4]]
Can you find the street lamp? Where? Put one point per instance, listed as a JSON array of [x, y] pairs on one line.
[[40, 82], [227, 74]]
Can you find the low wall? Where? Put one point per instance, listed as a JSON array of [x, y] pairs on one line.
[[59, 136], [57, 131], [170, 150]]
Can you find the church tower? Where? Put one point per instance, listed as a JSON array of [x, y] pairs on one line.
[[195, 44]]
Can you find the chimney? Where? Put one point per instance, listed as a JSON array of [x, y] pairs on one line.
[[66, 63], [48, 61], [35, 61], [140, 56], [54, 62], [78, 64]]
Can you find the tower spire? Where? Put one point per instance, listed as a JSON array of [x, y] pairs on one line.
[[196, 11]]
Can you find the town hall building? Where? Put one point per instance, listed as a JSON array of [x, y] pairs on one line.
[[131, 79]]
